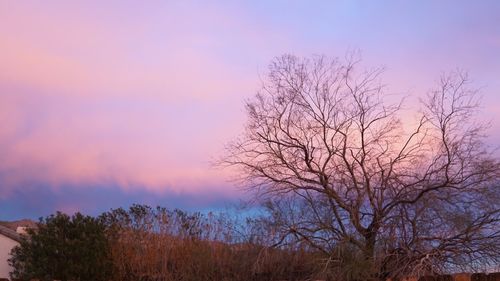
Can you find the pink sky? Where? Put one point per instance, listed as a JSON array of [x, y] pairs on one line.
[[142, 96]]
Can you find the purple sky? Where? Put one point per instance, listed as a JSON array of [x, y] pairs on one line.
[[103, 104]]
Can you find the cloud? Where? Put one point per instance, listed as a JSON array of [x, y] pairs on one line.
[[140, 96], [35, 200], [130, 143], [138, 100]]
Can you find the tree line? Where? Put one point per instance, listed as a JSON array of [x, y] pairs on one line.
[[157, 244]]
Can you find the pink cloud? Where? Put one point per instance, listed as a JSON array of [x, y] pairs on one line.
[[144, 95], [80, 106], [71, 145], [92, 97]]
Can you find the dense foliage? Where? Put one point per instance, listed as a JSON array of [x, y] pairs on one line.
[[159, 244], [63, 248]]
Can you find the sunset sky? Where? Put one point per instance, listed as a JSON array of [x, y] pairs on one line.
[[108, 103]]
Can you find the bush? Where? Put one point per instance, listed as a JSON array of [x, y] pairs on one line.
[[63, 248]]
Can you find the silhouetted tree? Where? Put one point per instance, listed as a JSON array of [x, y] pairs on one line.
[[340, 171], [64, 248]]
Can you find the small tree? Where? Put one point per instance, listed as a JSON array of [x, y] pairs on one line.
[[340, 171], [63, 248]]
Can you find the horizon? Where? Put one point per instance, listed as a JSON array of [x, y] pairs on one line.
[[103, 105]]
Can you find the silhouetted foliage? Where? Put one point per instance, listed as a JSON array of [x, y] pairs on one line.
[[159, 244], [63, 248]]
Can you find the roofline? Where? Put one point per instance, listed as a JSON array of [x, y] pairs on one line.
[[5, 231]]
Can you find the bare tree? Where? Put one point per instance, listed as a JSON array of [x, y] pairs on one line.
[[342, 173]]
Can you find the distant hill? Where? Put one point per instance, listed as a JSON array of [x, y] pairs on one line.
[[15, 224]]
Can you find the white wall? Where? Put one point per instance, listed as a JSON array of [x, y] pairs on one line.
[[6, 244]]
